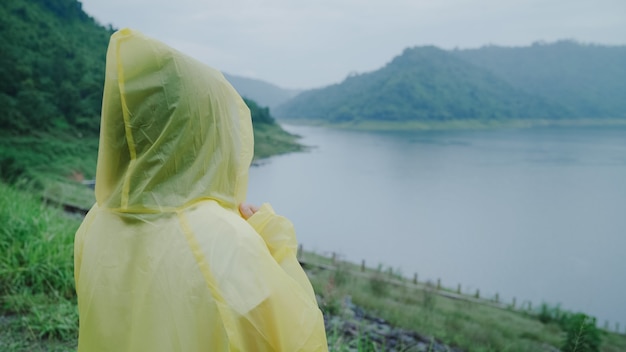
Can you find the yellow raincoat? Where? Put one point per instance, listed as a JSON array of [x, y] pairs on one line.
[[163, 260]]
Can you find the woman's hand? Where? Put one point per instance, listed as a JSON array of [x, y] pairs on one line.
[[247, 210]]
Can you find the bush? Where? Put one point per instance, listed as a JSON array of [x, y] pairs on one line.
[[582, 335]]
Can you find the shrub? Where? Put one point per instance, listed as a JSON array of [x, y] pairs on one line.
[[582, 335]]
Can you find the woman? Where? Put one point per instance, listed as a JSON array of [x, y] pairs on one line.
[[165, 261]]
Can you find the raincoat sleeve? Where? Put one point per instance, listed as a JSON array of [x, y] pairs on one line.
[[265, 304], [280, 238]]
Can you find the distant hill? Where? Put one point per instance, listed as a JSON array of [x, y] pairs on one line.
[[262, 92], [588, 79], [421, 84], [563, 80]]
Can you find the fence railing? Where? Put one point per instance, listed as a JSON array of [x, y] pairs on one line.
[[332, 262]]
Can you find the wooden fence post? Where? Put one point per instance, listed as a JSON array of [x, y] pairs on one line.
[[438, 284], [363, 265], [513, 304], [415, 278], [300, 252], [497, 298], [458, 288], [334, 258], [477, 293]]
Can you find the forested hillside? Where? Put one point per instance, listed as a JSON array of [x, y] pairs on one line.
[[421, 84], [52, 67], [52, 58], [589, 79], [560, 81]]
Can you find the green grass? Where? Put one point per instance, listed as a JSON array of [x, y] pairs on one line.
[[37, 297], [55, 165], [271, 139], [465, 323], [38, 304]]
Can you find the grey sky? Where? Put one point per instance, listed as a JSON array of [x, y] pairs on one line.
[[307, 44]]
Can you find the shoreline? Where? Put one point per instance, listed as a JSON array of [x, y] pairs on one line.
[[455, 124]]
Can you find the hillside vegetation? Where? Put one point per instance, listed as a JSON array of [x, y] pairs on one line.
[[589, 80], [547, 82], [38, 302], [52, 58], [52, 65]]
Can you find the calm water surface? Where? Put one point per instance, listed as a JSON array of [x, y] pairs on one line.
[[536, 214]]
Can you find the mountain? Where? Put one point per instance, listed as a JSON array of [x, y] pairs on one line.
[[262, 92], [589, 79], [422, 84]]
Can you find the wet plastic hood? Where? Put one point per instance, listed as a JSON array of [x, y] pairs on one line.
[[173, 131]]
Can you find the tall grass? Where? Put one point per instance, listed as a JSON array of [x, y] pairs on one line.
[[36, 268], [466, 324], [43, 158]]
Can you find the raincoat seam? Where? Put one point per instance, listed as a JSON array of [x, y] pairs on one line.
[[178, 209], [129, 137], [196, 251]]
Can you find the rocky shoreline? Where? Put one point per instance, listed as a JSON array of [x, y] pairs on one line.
[[353, 329]]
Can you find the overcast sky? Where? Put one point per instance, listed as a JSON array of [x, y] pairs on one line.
[[313, 43]]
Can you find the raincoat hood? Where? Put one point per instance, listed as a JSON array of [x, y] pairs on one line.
[[173, 131]]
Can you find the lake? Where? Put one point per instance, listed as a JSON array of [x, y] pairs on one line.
[[537, 214]]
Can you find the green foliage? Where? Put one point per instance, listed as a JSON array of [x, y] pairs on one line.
[[379, 285], [582, 335], [342, 275], [467, 324], [43, 158], [52, 59], [552, 82], [44, 316], [589, 80], [36, 268], [37, 245], [422, 84], [260, 115], [581, 332], [337, 342], [549, 314], [271, 139]]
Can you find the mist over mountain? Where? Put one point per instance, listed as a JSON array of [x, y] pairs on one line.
[[264, 93]]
